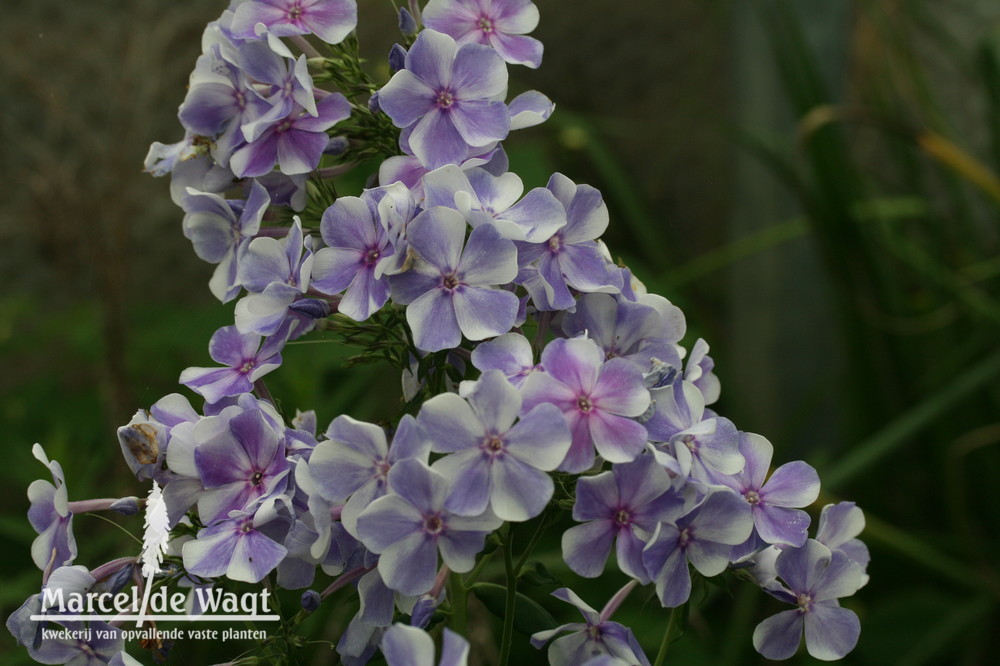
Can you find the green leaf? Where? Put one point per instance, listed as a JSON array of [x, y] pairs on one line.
[[535, 574], [529, 616]]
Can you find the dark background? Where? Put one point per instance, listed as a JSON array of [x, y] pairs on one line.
[[813, 182]]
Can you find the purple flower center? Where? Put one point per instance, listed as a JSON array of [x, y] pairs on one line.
[[433, 524], [283, 126], [247, 367], [622, 518], [257, 478], [583, 403], [295, 13], [486, 24], [752, 497], [372, 256], [247, 526], [804, 602], [444, 99], [684, 538], [690, 442], [493, 444], [555, 244], [450, 281]]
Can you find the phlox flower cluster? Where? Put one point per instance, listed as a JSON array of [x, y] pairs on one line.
[[539, 376]]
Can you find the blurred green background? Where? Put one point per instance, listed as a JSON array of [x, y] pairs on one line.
[[813, 182]]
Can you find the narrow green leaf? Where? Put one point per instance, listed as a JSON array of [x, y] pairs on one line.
[[529, 616]]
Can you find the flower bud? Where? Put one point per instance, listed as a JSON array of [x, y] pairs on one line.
[[337, 145], [311, 307], [127, 506], [310, 600], [397, 58], [407, 24]]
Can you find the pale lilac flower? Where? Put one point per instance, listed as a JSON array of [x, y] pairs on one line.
[[775, 504], [596, 636], [482, 197], [410, 646], [218, 235], [276, 273], [703, 447], [219, 101], [451, 95], [243, 547], [242, 464], [280, 79], [501, 24], [571, 257], [705, 537], [247, 360], [529, 109], [296, 143], [330, 20], [510, 354], [624, 506], [839, 526], [815, 579], [493, 462], [452, 291], [408, 527], [352, 465], [624, 330], [698, 368], [50, 516], [358, 254], [598, 399]]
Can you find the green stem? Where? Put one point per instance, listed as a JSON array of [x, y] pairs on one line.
[[661, 654], [531, 543], [508, 616], [458, 603], [480, 565]]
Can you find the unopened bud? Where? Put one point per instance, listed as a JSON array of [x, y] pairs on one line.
[[397, 58], [127, 506], [311, 600], [407, 24], [337, 145]]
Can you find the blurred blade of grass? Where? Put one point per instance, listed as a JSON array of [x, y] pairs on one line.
[[929, 645], [959, 161], [989, 72], [904, 428], [922, 262], [834, 185], [884, 208]]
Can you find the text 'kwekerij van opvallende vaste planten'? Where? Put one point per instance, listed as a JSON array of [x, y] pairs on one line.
[[542, 384]]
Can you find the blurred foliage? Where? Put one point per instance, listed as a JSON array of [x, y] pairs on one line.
[[892, 165]]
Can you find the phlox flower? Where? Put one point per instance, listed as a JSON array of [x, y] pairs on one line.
[[500, 23], [774, 505], [598, 399], [451, 290], [245, 358], [330, 20], [815, 577], [493, 462], [571, 257], [50, 516], [408, 528], [705, 537], [596, 636], [623, 506], [451, 95]]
